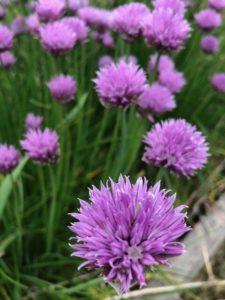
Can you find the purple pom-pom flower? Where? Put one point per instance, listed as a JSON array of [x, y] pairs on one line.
[[62, 88], [96, 17], [32, 121], [218, 82], [18, 25], [7, 59], [177, 6], [57, 37], [217, 4], [165, 29], [176, 145], [209, 44], [9, 159], [41, 146], [172, 79], [126, 229], [33, 24], [78, 26], [50, 10], [105, 61], [75, 5], [120, 84], [208, 19], [165, 62], [127, 19], [6, 38]]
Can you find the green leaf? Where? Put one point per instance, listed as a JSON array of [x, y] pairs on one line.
[[6, 186]]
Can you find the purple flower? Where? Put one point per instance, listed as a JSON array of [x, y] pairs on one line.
[[2, 12], [41, 146], [218, 82], [75, 5], [104, 37], [33, 24], [210, 44], [104, 61], [18, 25], [217, 4], [172, 79], [50, 10], [6, 38], [119, 84], [165, 62], [7, 59], [127, 19], [177, 6], [176, 145], [96, 17], [156, 99], [126, 229], [208, 19], [9, 159], [165, 30], [62, 88], [78, 26], [32, 121], [129, 59], [57, 37]]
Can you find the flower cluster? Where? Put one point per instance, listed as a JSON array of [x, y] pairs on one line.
[[9, 159]]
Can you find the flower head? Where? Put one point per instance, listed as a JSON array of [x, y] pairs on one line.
[[9, 159], [119, 84], [57, 37], [78, 26], [75, 5], [165, 29], [96, 17], [208, 19], [104, 37], [104, 61], [129, 59], [50, 10], [41, 146], [32, 121], [177, 145], [62, 88], [127, 19], [18, 25], [172, 79], [210, 44], [33, 24], [218, 82], [6, 38], [217, 4], [165, 62], [126, 229], [156, 99], [2, 12], [177, 6], [7, 59]]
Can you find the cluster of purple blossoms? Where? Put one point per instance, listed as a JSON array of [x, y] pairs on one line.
[[7, 59], [120, 84], [105, 61], [217, 4], [57, 37], [126, 229], [78, 26], [18, 26], [209, 44], [104, 37], [50, 10], [176, 145], [75, 5], [33, 24], [156, 99], [165, 29], [208, 19], [41, 146], [177, 6], [172, 79], [2, 12], [62, 88], [127, 19], [218, 82], [6, 38], [97, 18], [165, 62], [9, 159], [32, 121]]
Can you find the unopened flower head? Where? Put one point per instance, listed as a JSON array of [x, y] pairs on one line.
[[127, 228], [57, 38], [208, 19], [41, 146], [209, 44], [50, 10], [127, 19], [32, 121], [165, 29], [9, 159], [62, 88], [176, 145], [218, 82], [6, 38], [119, 84], [172, 79], [7, 59]]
